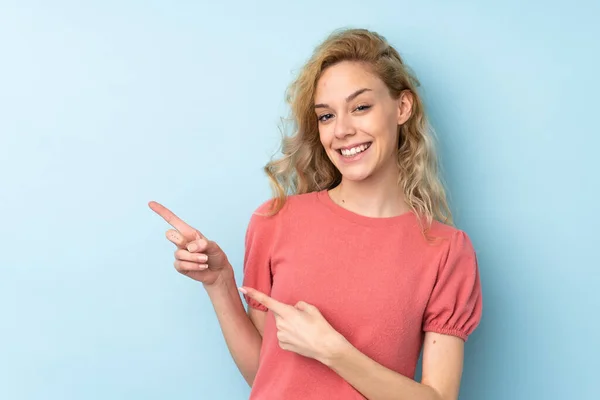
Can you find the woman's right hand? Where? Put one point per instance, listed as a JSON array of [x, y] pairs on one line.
[[196, 256]]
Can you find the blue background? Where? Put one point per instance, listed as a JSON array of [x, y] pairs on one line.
[[107, 105]]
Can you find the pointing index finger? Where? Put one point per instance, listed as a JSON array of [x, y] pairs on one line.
[[174, 220], [277, 307]]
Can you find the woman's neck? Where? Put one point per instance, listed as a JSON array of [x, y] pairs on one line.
[[373, 197]]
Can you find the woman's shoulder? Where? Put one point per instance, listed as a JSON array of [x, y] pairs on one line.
[[444, 229], [294, 203], [451, 237]]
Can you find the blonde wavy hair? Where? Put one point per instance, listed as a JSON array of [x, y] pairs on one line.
[[304, 166]]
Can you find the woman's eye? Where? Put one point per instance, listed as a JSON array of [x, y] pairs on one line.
[[362, 108], [325, 117]]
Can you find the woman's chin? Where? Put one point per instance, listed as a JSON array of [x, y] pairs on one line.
[[355, 174]]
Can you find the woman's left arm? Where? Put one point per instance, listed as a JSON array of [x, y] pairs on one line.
[[441, 375], [301, 328]]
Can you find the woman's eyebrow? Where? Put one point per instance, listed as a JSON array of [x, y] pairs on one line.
[[348, 99]]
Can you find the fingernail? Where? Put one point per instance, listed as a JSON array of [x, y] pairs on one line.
[[243, 290], [202, 257], [192, 247]]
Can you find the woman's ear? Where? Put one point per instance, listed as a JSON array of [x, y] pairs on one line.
[[405, 106]]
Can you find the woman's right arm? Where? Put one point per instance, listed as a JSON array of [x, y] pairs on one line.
[[242, 331]]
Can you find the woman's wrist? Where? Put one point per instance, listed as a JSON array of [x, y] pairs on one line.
[[224, 282], [335, 348]]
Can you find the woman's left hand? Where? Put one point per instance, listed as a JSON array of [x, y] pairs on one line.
[[302, 328]]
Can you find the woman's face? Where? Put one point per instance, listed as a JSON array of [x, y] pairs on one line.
[[358, 120]]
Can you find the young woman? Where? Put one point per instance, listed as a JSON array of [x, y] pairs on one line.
[[355, 266]]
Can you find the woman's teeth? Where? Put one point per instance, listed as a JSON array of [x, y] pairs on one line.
[[355, 150]]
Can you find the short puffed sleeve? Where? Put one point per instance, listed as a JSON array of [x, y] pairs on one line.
[[455, 305]]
